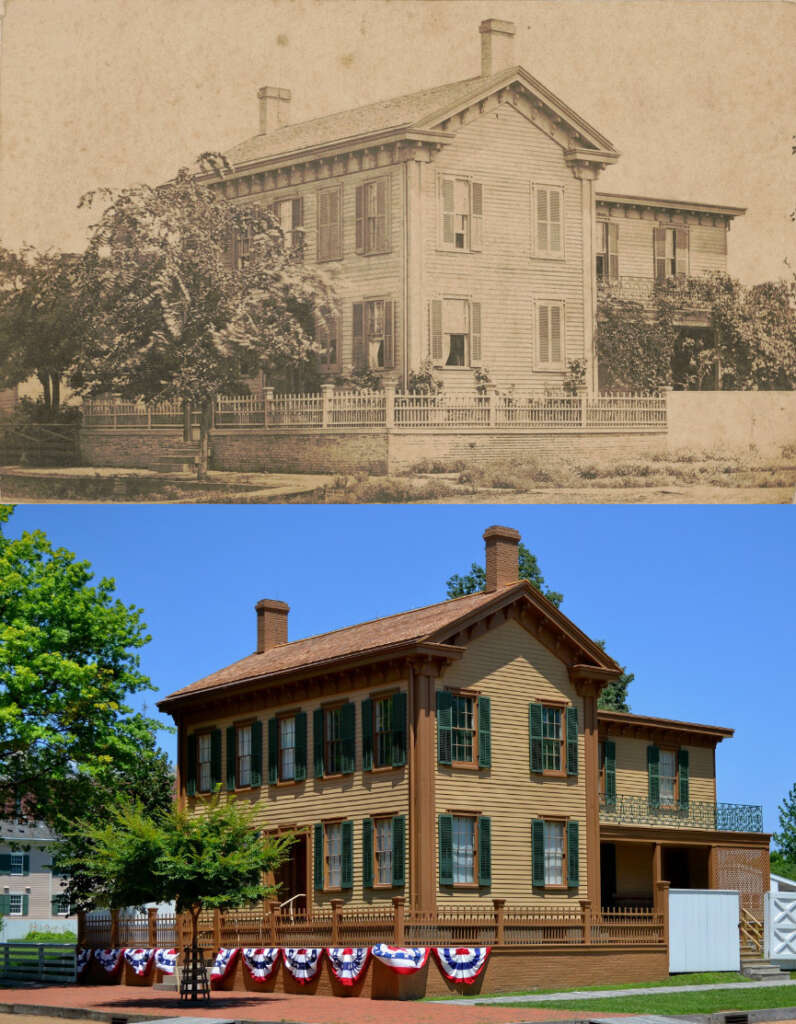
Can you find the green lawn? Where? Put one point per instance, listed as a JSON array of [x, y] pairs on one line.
[[678, 1002], [697, 978]]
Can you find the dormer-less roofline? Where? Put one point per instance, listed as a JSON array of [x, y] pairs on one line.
[[624, 721], [611, 199]]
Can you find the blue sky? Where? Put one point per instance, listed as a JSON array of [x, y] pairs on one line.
[[697, 601]]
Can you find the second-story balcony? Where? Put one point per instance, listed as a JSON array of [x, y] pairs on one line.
[[638, 810], [690, 295]]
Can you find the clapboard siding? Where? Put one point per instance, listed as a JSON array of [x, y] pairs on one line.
[[707, 245], [301, 805], [506, 153], [512, 668], [708, 249], [40, 884], [635, 247], [631, 769]]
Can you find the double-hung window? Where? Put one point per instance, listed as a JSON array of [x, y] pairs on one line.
[[455, 330], [334, 855], [670, 250], [287, 748], [203, 763], [607, 253], [289, 214], [552, 739], [382, 851], [461, 213], [327, 336], [550, 335], [61, 904], [667, 776], [243, 744], [382, 732], [15, 904], [374, 334], [548, 217], [554, 851], [464, 850], [17, 864], [373, 216], [333, 740], [463, 734], [330, 223]]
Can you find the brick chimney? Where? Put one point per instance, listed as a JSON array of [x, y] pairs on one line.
[[274, 108], [502, 557], [271, 624], [497, 46]]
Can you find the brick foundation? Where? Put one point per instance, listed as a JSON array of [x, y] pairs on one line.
[[300, 451], [128, 449]]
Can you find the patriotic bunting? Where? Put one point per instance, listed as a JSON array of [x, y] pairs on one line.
[[348, 965], [303, 964], [402, 959], [140, 960], [109, 959], [83, 959], [462, 964], [223, 964], [166, 960], [261, 962]]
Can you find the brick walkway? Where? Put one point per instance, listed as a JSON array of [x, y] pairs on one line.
[[126, 1001]]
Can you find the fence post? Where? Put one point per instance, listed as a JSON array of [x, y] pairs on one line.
[[148, 416], [662, 905], [81, 927], [114, 416], [490, 397], [389, 404], [268, 397], [500, 907], [327, 390], [152, 926], [666, 392], [217, 928], [398, 911], [273, 912], [337, 914], [585, 909], [114, 929]]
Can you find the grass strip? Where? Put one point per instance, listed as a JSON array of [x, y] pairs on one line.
[[674, 980], [676, 1002]]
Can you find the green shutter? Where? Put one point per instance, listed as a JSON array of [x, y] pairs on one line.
[[231, 757], [25, 904], [682, 781], [367, 853], [398, 849], [399, 728], [26, 864], [535, 735], [273, 750], [318, 857], [484, 851], [572, 741], [349, 729], [347, 868], [257, 754], [5, 863], [190, 767], [537, 852], [317, 741], [215, 758], [444, 727], [54, 902], [300, 755], [5, 904], [653, 777], [573, 855], [367, 734], [445, 828], [610, 772], [484, 733]]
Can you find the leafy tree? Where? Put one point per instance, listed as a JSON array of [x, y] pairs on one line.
[[41, 322], [781, 866], [634, 352], [786, 837], [614, 695], [68, 665]]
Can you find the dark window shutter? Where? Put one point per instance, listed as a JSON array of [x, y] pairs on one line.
[[681, 251], [682, 777], [543, 333], [484, 732], [556, 334], [215, 758], [347, 867], [653, 777], [300, 755], [367, 734], [54, 905], [231, 757], [610, 772], [190, 766], [318, 856], [475, 333], [337, 207], [5, 904], [298, 224], [389, 335], [273, 750], [484, 851], [360, 218], [573, 855], [572, 741], [257, 754], [556, 220], [476, 215], [535, 735], [5, 863], [398, 849], [542, 232], [322, 230], [537, 852], [25, 904], [659, 253], [317, 741], [444, 727], [25, 864], [367, 853], [399, 728], [435, 330], [384, 211], [445, 828], [348, 737], [447, 204], [359, 357], [613, 252]]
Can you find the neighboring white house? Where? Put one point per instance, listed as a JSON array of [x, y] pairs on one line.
[[31, 894], [781, 884]]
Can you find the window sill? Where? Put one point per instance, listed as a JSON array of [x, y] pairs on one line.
[[558, 256], [558, 368], [549, 773], [466, 766], [466, 886], [374, 252], [286, 782], [382, 768]]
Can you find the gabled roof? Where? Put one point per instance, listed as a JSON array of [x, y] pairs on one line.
[[418, 110], [394, 634]]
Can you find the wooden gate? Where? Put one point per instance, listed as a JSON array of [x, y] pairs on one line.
[[780, 933]]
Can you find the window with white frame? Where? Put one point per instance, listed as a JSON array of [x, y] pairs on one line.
[[550, 335], [61, 904], [670, 249], [244, 760], [383, 851], [17, 863], [287, 748], [554, 853], [548, 205], [461, 213], [327, 335], [372, 210], [203, 759], [289, 214], [607, 253], [464, 867], [334, 855], [455, 326], [15, 904], [667, 777], [330, 223]]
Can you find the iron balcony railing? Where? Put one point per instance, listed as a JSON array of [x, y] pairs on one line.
[[638, 810]]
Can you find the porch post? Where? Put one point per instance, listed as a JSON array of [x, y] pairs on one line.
[[422, 771], [337, 913], [662, 907], [657, 872], [500, 931], [327, 390], [585, 909]]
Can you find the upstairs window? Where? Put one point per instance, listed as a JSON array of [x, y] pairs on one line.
[[463, 728], [461, 204], [667, 776], [550, 339], [330, 224], [287, 748], [382, 732], [244, 755], [204, 774], [373, 216], [670, 250], [607, 251], [17, 864], [552, 739], [333, 741], [548, 206], [374, 334], [289, 214], [455, 332]]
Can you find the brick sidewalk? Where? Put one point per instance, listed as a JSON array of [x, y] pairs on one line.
[[274, 1006]]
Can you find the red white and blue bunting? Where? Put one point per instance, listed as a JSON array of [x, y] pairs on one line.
[[223, 964], [166, 960], [109, 959], [402, 959], [83, 960], [463, 963], [348, 964], [140, 960], [303, 964], [261, 962]]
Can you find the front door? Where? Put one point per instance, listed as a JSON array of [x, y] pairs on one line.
[[291, 876]]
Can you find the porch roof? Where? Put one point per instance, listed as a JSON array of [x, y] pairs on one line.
[[619, 721], [612, 199]]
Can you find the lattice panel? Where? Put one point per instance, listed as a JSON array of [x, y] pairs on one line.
[[746, 871], [781, 926]]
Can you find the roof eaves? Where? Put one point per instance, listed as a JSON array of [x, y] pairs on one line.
[[628, 718], [673, 204]]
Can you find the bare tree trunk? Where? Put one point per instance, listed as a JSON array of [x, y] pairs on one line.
[[55, 391], [186, 421], [44, 379], [205, 424]]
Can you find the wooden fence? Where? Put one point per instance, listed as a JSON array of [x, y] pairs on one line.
[[463, 925], [335, 410], [52, 962]]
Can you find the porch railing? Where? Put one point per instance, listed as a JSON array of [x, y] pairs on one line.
[[638, 810]]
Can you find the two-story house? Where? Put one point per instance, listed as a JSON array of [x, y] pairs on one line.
[[463, 225], [455, 754], [31, 893]]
